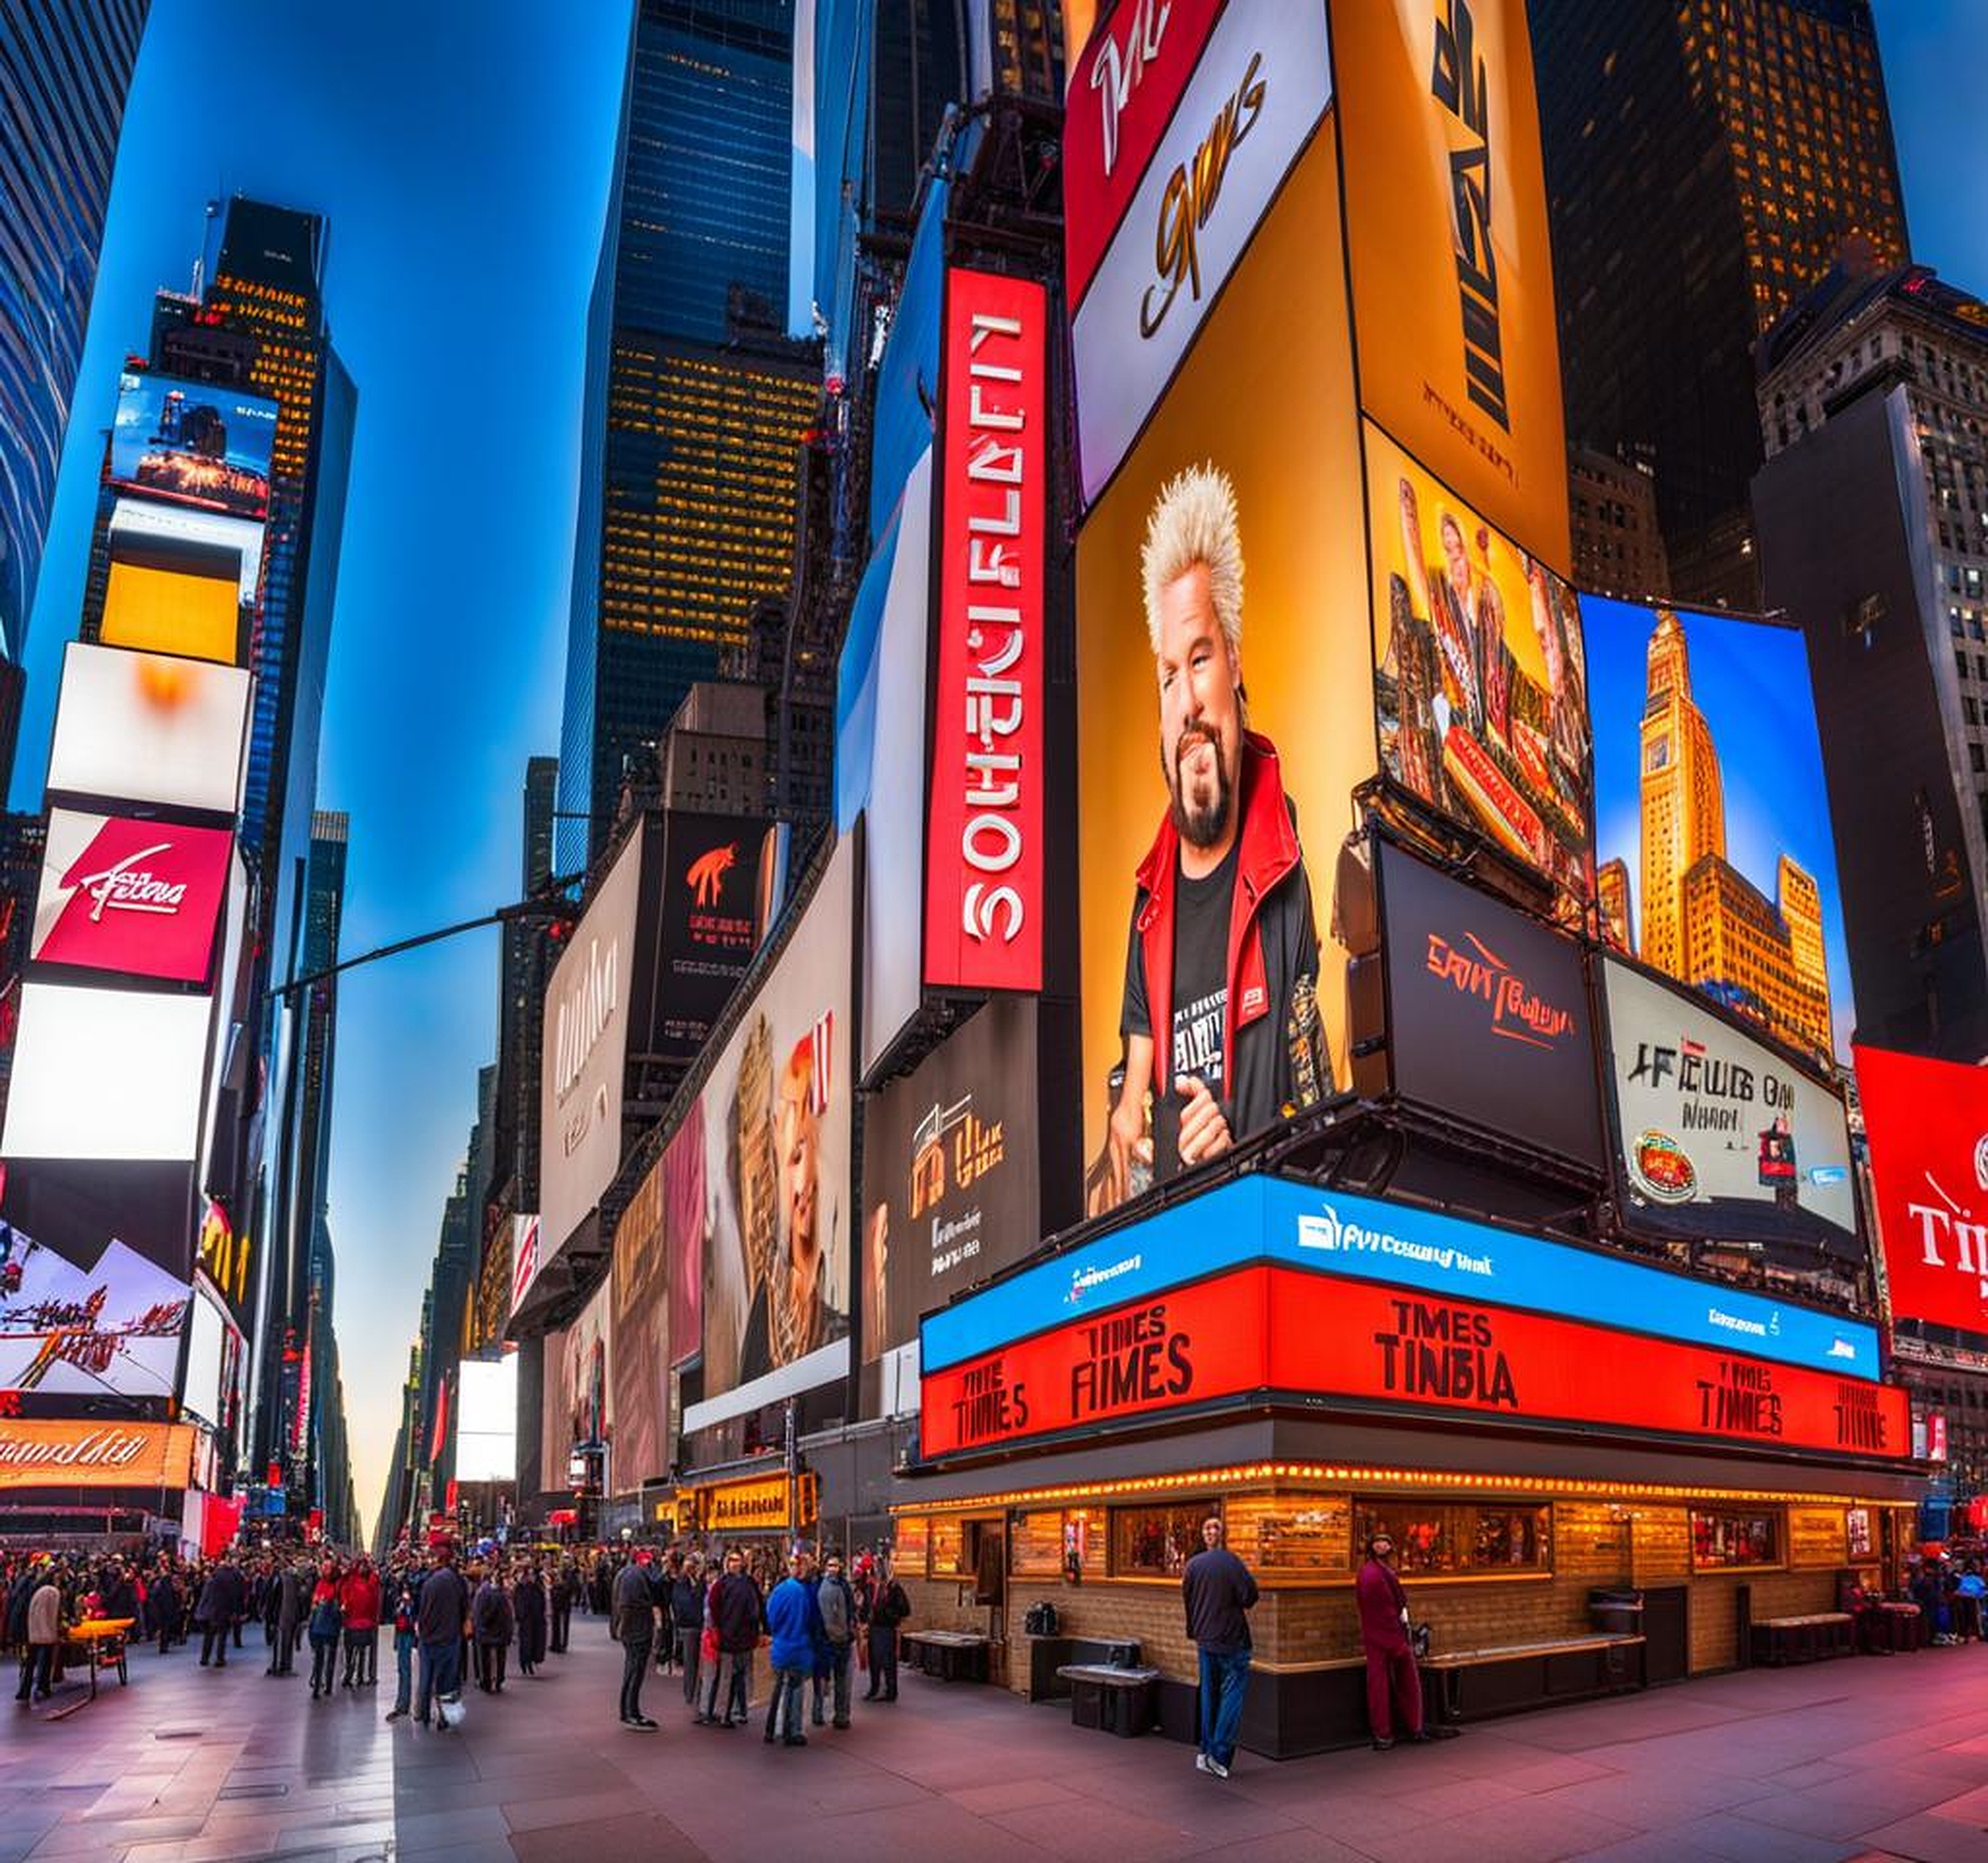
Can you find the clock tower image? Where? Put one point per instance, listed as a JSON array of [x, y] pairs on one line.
[[1683, 801]]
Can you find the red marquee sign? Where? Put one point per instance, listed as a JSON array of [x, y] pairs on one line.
[[1927, 1125], [984, 833], [1265, 1329]]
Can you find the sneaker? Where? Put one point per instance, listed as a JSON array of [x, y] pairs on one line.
[[1382, 1746], [1201, 1762], [1219, 1770]]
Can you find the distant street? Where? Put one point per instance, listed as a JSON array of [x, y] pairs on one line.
[[1851, 1759]]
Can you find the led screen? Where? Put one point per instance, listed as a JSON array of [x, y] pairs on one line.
[[108, 1330], [193, 442], [137, 727], [486, 1419], [172, 612], [171, 537], [141, 899], [207, 1333]]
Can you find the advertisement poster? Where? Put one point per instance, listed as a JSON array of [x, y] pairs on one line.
[[717, 874], [776, 1170], [141, 899], [137, 727], [60, 1454], [1480, 678], [580, 1383], [1712, 821], [684, 1217], [1227, 554], [193, 442], [640, 1282], [1927, 1125], [1447, 247], [175, 611], [951, 1192], [1720, 1135], [1488, 1013], [109, 1330]]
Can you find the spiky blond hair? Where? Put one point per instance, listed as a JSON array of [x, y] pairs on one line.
[[1193, 520]]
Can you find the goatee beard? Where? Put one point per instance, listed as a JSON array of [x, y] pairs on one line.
[[1200, 827]]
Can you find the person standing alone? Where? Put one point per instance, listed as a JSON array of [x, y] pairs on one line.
[[1393, 1682], [1218, 1591], [634, 1623]]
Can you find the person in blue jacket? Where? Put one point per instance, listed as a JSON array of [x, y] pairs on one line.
[[794, 1623]]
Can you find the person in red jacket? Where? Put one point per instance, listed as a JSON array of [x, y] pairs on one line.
[[1392, 1680], [359, 1596]]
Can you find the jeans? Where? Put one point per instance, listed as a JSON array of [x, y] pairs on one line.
[[37, 1668], [840, 1655], [731, 1678], [362, 1654], [1224, 1677], [634, 1665], [214, 1644], [690, 1653], [883, 1661], [403, 1661], [323, 1661], [787, 1688], [441, 1674], [1393, 1668]]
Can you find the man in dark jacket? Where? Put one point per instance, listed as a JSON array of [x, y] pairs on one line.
[[686, 1590], [1393, 1682], [837, 1604], [736, 1612], [441, 1613], [634, 1624], [1218, 1591], [883, 1604], [565, 1588], [223, 1600], [527, 1599]]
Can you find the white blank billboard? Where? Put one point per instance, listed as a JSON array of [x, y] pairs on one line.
[[139, 727], [207, 1333], [486, 1419], [107, 1073]]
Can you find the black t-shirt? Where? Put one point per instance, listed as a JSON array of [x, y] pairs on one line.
[[1200, 1001]]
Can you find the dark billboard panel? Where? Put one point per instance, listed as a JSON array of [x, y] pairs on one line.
[[952, 1189], [1712, 820], [715, 889], [193, 442], [1719, 1135], [1928, 1124], [1488, 1017]]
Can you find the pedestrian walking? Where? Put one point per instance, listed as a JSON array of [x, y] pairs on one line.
[[794, 1623], [291, 1600], [44, 1636], [889, 1605], [223, 1600], [1219, 1593], [326, 1621], [493, 1624], [737, 1611], [633, 1625], [838, 1605], [528, 1606], [687, 1596], [359, 1600], [1394, 1685], [400, 1589], [441, 1624], [165, 1607]]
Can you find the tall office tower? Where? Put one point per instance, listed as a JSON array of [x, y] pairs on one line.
[[1618, 548], [696, 402], [1704, 161], [1873, 409], [65, 66], [1703, 921], [525, 962]]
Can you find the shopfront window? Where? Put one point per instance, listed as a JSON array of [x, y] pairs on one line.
[[1157, 1541], [949, 1549], [1721, 1541], [1432, 1540]]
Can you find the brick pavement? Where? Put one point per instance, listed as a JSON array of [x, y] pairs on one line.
[[1864, 1759]]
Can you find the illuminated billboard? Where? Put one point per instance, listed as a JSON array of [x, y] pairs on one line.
[[640, 1280], [719, 876], [776, 1119], [1480, 676], [55, 1454], [173, 612], [142, 898], [193, 442], [584, 1052], [213, 1344], [1927, 1125], [169, 537], [1448, 251], [140, 727], [486, 1419], [107, 1073], [579, 1403], [79, 1208], [1711, 822], [111, 1329]]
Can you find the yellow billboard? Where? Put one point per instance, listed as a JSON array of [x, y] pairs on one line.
[[166, 612]]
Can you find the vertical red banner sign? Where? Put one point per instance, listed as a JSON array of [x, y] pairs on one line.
[[984, 828]]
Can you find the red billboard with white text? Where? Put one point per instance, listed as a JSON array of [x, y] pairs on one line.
[[1926, 1122], [984, 825], [139, 898]]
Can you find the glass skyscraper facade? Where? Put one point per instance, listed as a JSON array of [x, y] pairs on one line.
[[65, 66]]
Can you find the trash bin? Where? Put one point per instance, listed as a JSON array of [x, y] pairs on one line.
[[1616, 1612], [1129, 1708]]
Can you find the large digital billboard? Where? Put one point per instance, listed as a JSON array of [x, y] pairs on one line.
[[1448, 249], [580, 1387], [141, 899], [80, 1206], [719, 874], [174, 611], [776, 1118], [584, 1052], [212, 1347], [107, 1073], [141, 727], [1927, 1125], [685, 1212], [1712, 820], [1229, 552], [486, 1419], [1719, 1135], [1480, 676], [110, 1329], [951, 1190], [171, 537], [193, 442], [640, 1284], [55, 1454]]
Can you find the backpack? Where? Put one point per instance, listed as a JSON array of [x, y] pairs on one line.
[[1041, 1619]]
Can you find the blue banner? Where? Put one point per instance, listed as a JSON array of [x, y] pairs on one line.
[[1330, 1232]]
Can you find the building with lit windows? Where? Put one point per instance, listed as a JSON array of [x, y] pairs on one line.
[[65, 66], [1703, 921], [1873, 406], [1618, 546], [1704, 161]]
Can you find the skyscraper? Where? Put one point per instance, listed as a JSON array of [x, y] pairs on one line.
[[696, 402], [65, 66], [1704, 163]]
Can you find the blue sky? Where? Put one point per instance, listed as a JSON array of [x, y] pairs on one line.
[[461, 153]]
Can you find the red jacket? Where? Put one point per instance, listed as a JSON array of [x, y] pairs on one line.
[[359, 1597], [1266, 854], [1382, 1602]]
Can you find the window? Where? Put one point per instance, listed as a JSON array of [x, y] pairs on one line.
[[1157, 1541], [1432, 1539], [1721, 1541]]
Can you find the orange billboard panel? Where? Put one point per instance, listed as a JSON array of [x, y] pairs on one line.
[[36, 1453], [163, 611], [1446, 245]]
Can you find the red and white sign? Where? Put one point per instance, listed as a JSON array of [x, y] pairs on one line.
[[139, 898], [1118, 102], [524, 1258], [1279, 1329], [984, 825], [1927, 1125]]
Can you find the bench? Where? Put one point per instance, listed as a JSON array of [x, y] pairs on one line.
[[1049, 1656], [1508, 1678], [947, 1655], [1813, 1638], [1120, 1701]]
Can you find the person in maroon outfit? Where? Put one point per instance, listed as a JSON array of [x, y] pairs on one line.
[[1392, 1680]]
